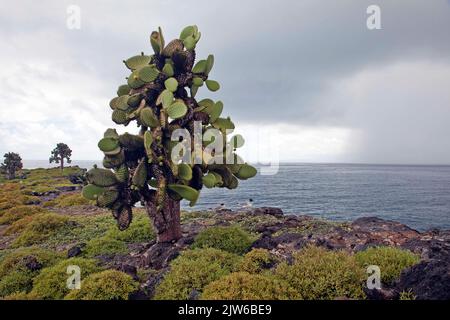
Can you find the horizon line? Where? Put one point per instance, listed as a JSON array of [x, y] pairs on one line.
[[302, 162]]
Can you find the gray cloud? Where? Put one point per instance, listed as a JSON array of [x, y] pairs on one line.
[[293, 62]]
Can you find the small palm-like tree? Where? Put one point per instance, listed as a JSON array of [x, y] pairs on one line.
[[61, 152]]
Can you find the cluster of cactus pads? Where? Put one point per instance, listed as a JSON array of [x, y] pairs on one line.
[[160, 96]]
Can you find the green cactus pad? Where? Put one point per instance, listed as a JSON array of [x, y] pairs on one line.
[[107, 198], [237, 141], [155, 41], [111, 162], [122, 174], [122, 102], [140, 175], [119, 117], [186, 32], [101, 177], [214, 111], [209, 64], [218, 178], [91, 192], [177, 109], [137, 62], [111, 133], [171, 84], [123, 89], [134, 100], [134, 81], [184, 171], [165, 98], [233, 184], [148, 73], [194, 90], [108, 144], [113, 103], [189, 42], [148, 118], [209, 180], [148, 140], [184, 191], [212, 85], [246, 172], [172, 47], [223, 124], [197, 81], [200, 67], [206, 103], [168, 70]]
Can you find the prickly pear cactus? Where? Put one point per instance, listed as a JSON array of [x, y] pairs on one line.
[[61, 152], [11, 164], [160, 97]]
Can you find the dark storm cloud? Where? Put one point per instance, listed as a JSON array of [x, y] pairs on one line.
[[277, 61]]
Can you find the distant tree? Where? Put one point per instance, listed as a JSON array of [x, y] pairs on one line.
[[61, 152], [11, 164]]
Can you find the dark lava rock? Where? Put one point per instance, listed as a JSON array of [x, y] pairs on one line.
[[277, 212], [265, 242], [31, 263], [68, 188], [128, 269], [428, 280], [159, 255], [381, 294], [75, 251]]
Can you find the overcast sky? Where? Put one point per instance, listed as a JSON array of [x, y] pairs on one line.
[[310, 73]]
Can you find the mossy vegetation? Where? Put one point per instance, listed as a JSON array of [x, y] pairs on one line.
[[51, 283], [257, 261], [16, 213], [19, 267], [70, 200], [318, 274], [193, 270], [232, 239], [246, 286], [391, 261], [40, 228], [105, 285], [104, 246], [140, 230]]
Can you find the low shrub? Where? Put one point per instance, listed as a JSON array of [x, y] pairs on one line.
[[106, 285], [317, 273], [16, 213], [245, 286], [193, 270], [104, 246], [390, 260], [257, 261], [232, 239], [17, 272], [69, 200], [51, 283], [40, 228], [140, 230]]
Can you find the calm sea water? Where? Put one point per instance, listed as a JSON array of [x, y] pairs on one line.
[[418, 196]]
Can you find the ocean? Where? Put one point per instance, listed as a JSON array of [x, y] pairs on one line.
[[418, 196]]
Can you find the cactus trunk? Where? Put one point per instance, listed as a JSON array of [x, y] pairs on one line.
[[167, 220]]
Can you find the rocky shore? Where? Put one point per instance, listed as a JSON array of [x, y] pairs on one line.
[[283, 235]]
